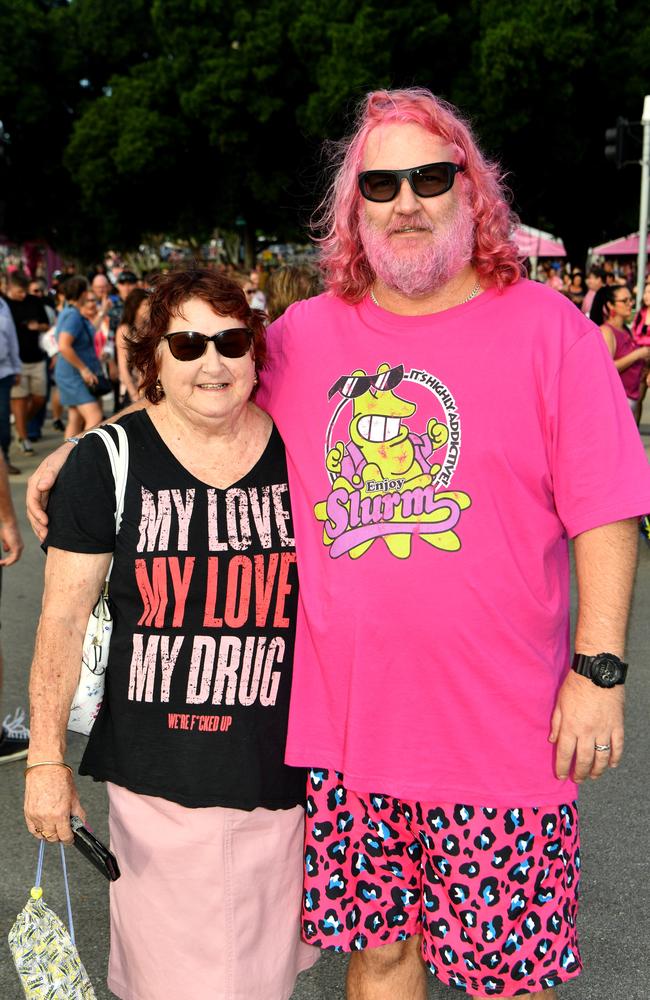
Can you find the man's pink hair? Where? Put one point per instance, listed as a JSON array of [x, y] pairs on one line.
[[346, 270]]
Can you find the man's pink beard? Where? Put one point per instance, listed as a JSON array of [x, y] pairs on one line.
[[417, 269]]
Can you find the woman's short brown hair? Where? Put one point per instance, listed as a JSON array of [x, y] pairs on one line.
[[169, 293]]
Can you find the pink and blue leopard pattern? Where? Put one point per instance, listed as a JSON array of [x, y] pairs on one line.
[[493, 892]]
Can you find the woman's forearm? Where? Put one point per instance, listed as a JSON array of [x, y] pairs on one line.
[[73, 581], [54, 678], [622, 364]]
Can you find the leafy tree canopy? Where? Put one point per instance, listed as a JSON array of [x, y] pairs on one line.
[[128, 117]]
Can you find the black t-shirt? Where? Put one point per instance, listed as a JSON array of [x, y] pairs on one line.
[[31, 308], [204, 594]]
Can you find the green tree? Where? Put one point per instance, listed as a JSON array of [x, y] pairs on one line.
[[140, 116]]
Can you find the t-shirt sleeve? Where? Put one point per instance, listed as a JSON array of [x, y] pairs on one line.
[[71, 323], [81, 510], [269, 386], [599, 466]]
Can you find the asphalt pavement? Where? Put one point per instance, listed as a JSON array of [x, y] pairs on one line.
[[614, 922]]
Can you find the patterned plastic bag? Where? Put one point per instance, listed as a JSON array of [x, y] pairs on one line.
[[44, 953]]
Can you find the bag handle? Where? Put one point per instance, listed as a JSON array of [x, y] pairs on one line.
[[119, 459], [37, 892]]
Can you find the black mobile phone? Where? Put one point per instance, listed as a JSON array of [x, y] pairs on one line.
[[96, 852]]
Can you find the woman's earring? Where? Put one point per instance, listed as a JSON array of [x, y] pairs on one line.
[[160, 392], [255, 379]]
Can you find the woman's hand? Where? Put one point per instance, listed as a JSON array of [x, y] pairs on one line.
[[38, 489], [50, 800], [89, 377]]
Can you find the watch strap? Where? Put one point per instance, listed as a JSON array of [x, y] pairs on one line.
[[582, 664]]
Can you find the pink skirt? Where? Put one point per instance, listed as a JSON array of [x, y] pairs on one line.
[[209, 900]]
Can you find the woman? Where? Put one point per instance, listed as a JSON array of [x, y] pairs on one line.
[[77, 365], [133, 315], [205, 818], [576, 291], [630, 360], [641, 324]]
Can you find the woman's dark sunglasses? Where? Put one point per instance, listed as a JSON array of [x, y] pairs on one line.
[[187, 345], [427, 182]]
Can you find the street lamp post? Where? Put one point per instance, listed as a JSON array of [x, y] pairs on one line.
[[643, 204]]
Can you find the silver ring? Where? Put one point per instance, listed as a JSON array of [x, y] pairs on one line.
[[602, 747]]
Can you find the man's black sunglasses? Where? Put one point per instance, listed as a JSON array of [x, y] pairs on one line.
[[187, 345], [427, 182]]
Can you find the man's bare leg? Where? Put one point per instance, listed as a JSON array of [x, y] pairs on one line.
[[544, 995], [391, 972]]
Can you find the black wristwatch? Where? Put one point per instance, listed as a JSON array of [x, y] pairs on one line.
[[605, 669]]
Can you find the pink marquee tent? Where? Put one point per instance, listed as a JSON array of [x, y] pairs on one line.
[[624, 246], [536, 243]]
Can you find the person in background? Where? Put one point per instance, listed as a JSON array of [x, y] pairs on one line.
[[38, 287], [576, 289], [134, 314], [14, 734], [554, 279], [28, 395], [10, 368], [101, 287], [595, 280], [631, 361], [254, 294], [77, 365], [289, 284]]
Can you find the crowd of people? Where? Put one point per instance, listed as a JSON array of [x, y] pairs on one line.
[[389, 765], [63, 348]]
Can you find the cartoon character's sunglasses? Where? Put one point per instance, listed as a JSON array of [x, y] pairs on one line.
[[187, 345], [352, 386], [427, 182]]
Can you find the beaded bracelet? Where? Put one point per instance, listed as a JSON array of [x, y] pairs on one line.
[[49, 763]]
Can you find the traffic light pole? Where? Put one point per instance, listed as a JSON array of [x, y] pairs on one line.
[[643, 205]]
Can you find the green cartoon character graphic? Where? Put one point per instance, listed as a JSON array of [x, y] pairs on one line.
[[383, 478]]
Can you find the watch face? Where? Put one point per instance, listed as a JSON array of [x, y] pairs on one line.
[[605, 672]]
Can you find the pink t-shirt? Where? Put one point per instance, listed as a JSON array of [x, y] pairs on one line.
[[437, 465]]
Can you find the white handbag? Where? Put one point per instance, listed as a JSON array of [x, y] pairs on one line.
[[88, 697]]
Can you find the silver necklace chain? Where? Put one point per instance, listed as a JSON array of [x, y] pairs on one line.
[[472, 295]]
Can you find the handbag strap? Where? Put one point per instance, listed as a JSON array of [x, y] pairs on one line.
[[119, 459], [39, 876]]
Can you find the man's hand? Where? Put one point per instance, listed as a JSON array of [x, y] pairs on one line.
[[12, 542], [39, 486], [585, 715]]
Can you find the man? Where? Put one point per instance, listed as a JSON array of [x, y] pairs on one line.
[[432, 693], [28, 395], [595, 280], [38, 288], [438, 413], [14, 735], [9, 376]]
